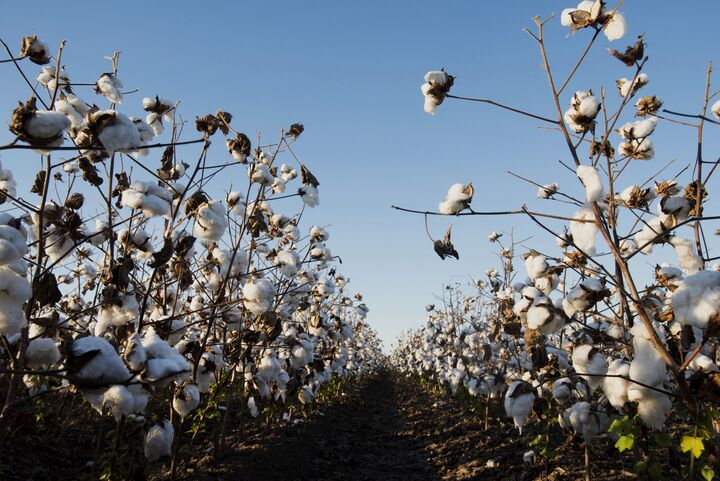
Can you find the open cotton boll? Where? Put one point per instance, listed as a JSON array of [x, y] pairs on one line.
[[584, 233], [649, 233], [288, 262], [260, 174], [119, 400], [8, 184], [588, 360], [647, 366], [252, 407], [70, 110], [536, 265], [653, 406], [105, 365], [47, 127], [135, 355], [628, 87], [14, 291], [690, 262], [42, 353], [163, 362], [158, 441], [546, 191], [186, 400], [590, 178], [638, 149], [117, 315], [616, 388], [616, 27], [638, 129], [118, 133], [13, 245], [108, 85], [258, 295], [210, 221], [309, 195], [149, 197], [518, 402], [236, 203], [458, 198], [697, 300], [715, 109], [584, 420], [589, 106]]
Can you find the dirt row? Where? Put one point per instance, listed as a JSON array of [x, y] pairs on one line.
[[392, 428]]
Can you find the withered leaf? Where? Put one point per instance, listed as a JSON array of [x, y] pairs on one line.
[[307, 177], [45, 290], [39, 183], [632, 54], [162, 257]]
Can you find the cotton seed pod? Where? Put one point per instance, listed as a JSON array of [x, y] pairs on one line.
[[648, 105], [75, 201], [35, 50]]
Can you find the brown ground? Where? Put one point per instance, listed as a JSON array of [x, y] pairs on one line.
[[391, 428]]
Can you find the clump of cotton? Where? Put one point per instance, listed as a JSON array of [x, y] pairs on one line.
[[210, 221], [258, 295], [697, 301], [590, 364], [629, 87], [158, 441], [518, 402], [590, 178], [309, 195], [186, 400], [458, 198], [117, 133], [149, 197], [435, 89], [584, 230], [108, 85]]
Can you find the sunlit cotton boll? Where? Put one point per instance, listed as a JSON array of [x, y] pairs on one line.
[[616, 27], [42, 353], [108, 85], [590, 178], [149, 197], [210, 221], [14, 291], [458, 198], [588, 360], [258, 295], [118, 133]]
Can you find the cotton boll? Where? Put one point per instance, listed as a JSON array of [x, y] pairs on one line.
[[118, 133], [589, 106], [163, 361], [690, 262], [210, 221], [648, 235], [252, 407], [14, 291], [588, 360], [13, 245], [236, 203], [309, 195], [715, 109], [288, 262], [74, 108], [119, 400], [536, 265], [158, 441], [258, 295], [94, 359], [186, 400], [638, 149], [46, 128], [108, 86], [697, 300], [616, 388], [628, 87], [547, 191], [590, 178], [42, 353], [647, 366], [639, 129], [458, 198], [616, 27], [584, 420], [152, 199], [584, 233], [653, 406], [135, 355], [518, 402]]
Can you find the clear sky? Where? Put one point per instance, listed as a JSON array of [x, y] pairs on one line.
[[351, 72]]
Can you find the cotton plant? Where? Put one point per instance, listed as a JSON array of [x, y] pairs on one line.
[[622, 317], [133, 275]]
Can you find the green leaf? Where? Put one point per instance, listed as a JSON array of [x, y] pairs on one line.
[[536, 441], [662, 440], [707, 474], [621, 426], [625, 443], [693, 445]]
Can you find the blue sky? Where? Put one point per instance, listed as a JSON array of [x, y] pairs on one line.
[[351, 72]]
